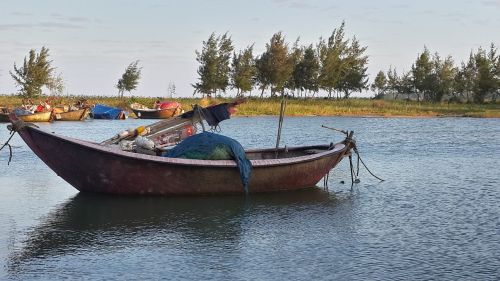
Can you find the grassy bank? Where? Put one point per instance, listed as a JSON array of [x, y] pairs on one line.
[[309, 107]]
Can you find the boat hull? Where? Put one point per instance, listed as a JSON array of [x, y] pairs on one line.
[[75, 115], [104, 169], [157, 114], [37, 117]]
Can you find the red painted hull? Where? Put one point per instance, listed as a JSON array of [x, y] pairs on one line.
[[91, 167]]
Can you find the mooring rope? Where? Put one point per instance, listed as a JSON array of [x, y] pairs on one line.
[[10, 147], [201, 115], [364, 165], [352, 142], [16, 126], [326, 178], [351, 168]]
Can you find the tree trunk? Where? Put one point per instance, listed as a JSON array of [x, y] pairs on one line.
[[346, 94]]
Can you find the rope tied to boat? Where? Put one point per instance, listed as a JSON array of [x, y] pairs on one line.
[[350, 142], [16, 126]]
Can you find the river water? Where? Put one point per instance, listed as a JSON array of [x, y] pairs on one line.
[[435, 217]]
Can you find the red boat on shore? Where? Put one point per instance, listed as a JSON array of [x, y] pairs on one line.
[[105, 168], [161, 110]]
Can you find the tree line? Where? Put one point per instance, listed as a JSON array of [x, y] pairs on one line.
[[336, 65], [434, 79]]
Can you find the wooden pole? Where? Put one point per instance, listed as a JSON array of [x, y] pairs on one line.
[[280, 125]]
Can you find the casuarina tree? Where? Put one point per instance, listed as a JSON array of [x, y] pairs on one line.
[[130, 78], [35, 73]]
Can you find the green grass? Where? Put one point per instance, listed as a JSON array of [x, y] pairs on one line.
[[301, 107]]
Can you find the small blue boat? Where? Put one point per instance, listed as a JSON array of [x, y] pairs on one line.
[[100, 111]]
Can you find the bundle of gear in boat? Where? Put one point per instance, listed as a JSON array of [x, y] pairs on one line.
[[180, 132]]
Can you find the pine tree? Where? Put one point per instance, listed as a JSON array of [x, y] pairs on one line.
[[353, 71], [243, 71], [207, 70], [130, 78], [263, 76], [445, 78], [331, 53], [487, 79], [214, 69], [295, 57], [422, 74], [225, 48], [343, 64], [379, 85], [35, 73], [306, 73], [276, 63]]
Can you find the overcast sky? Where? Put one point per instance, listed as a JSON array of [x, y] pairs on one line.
[[91, 42]]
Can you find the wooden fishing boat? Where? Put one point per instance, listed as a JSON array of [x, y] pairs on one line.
[[111, 170], [152, 113], [74, 115], [45, 116], [108, 169], [161, 110]]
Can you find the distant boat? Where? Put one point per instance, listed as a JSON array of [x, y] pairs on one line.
[[44, 116], [162, 110], [100, 111], [73, 115]]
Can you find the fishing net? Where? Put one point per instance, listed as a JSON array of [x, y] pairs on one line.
[[211, 146]]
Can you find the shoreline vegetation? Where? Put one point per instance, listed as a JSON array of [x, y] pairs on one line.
[[362, 107], [320, 79]]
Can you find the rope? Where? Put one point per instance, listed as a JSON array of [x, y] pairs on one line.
[[16, 126], [201, 115], [326, 178], [359, 157], [351, 169], [349, 141], [10, 147], [216, 129]]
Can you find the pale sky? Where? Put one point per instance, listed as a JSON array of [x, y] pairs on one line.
[[91, 42]]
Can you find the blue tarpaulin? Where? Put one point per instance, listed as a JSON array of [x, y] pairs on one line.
[[210, 146], [100, 111]]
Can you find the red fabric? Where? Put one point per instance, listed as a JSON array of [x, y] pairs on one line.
[[168, 104], [39, 108]]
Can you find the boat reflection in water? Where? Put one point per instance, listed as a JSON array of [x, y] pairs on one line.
[[90, 224]]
